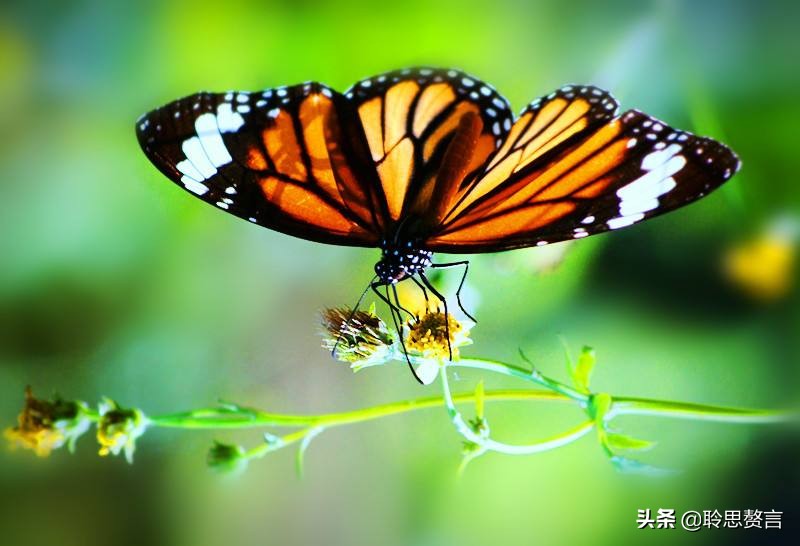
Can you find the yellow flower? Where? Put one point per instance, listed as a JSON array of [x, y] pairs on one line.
[[360, 338], [428, 335], [118, 429], [763, 267], [43, 426]]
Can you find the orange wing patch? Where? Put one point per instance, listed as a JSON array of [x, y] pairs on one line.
[[299, 204], [281, 144]]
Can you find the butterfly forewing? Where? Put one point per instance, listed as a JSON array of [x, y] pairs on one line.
[[410, 118], [542, 126], [282, 158], [627, 169]]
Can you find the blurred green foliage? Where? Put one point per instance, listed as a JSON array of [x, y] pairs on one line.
[[115, 282]]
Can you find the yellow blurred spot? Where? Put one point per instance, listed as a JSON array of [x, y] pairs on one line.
[[762, 267], [412, 298]]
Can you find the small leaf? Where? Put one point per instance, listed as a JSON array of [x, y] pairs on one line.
[[479, 400], [632, 466], [623, 441], [582, 371]]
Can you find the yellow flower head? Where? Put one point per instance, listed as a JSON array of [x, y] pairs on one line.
[[118, 429], [360, 338], [43, 426], [428, 335]]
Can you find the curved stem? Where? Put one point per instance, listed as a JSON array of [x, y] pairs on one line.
[[488, 443]]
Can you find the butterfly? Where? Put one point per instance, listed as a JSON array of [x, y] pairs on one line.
[[425, 160]]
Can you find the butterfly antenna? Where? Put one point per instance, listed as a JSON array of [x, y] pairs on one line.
[[344, 326], [436, 293]]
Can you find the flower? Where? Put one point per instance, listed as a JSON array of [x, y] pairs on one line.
[[43, 426], [118, 429], [360, 338], [227, 458], [435, 335]]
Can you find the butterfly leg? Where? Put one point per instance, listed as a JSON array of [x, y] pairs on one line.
[[436, 293], [398, 322], [465, 263], [424, 293], [398, 304]]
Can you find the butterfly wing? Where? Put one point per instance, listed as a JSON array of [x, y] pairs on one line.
[[427, 129], [291, 159], [570, 168]]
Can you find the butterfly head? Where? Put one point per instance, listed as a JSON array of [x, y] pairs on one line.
[[401, 260]]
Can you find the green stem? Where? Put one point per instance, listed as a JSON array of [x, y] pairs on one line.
[[216, 418], [699, 412], [213, 418], [487, 443]]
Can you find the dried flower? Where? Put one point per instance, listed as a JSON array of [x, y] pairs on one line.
[[118, 429], [43, 426], [362, 339]]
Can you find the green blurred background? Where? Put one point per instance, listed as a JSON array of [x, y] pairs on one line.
[[115, 282]]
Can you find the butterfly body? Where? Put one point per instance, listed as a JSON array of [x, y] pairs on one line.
[[400, 260]]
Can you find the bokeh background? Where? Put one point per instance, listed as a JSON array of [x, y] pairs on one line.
[[115, 282]]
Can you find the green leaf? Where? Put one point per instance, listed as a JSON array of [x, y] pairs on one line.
[[623, 441], [582, 371]]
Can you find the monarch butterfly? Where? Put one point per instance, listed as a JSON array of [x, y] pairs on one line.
[[423, 160]]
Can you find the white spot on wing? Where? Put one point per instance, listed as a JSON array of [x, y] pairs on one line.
[[642, 194], [188, 168], [194, 186], [623, 221], [228, 120], [210, 138], [195, 153]]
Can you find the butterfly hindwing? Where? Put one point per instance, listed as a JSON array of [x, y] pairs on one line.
[[283, 158]]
